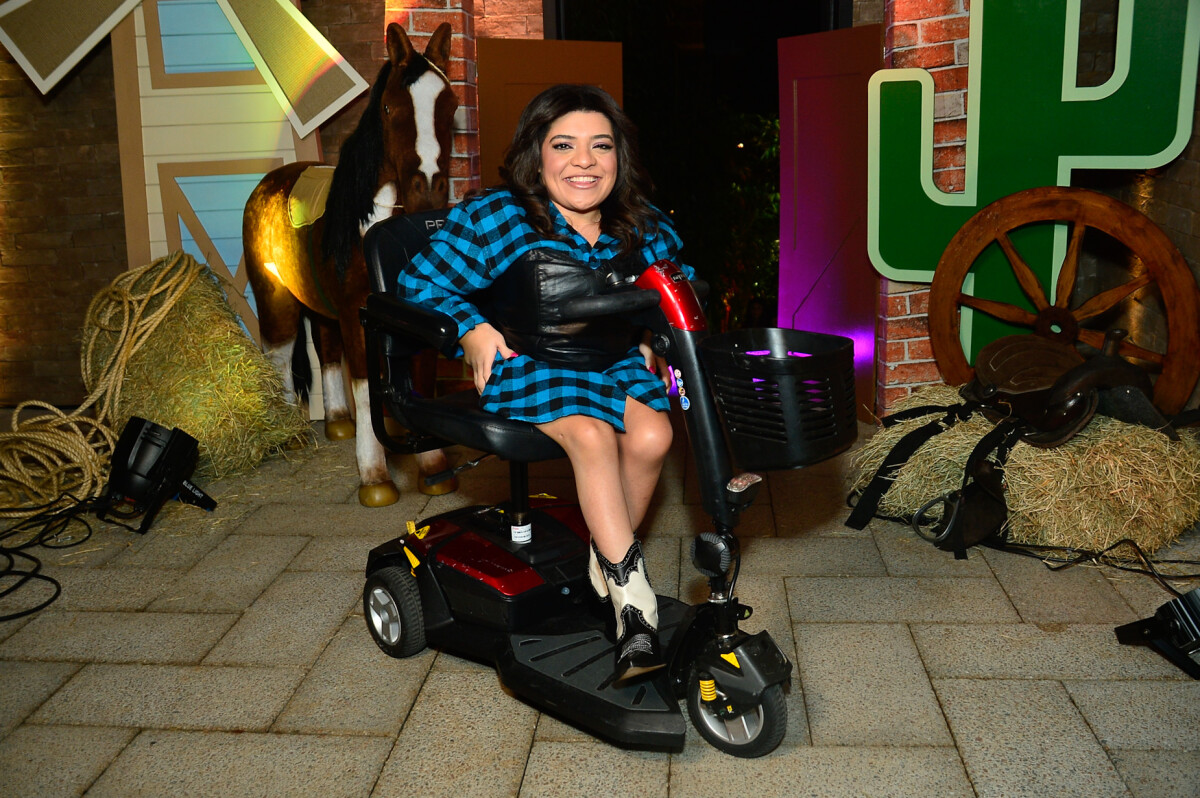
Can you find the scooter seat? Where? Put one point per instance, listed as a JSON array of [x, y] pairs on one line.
[[457, 418]]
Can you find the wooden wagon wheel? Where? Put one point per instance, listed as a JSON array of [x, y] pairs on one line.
[[1177, 367]]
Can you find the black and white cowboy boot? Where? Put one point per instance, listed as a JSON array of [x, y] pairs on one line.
[[596, 576], [636, 609]]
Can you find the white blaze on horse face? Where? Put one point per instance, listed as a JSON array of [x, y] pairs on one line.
[[425, 92], [385, 206]]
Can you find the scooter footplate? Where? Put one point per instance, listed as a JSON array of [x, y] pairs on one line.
[[570, 675]]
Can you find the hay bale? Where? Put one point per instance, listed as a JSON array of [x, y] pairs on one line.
[[199, 371], [1110, 482]]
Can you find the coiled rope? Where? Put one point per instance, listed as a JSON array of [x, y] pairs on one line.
[[52, 455]]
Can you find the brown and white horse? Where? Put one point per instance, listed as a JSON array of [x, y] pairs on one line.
[[397, 160]]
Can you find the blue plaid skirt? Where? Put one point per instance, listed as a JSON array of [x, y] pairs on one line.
[[530, 390]]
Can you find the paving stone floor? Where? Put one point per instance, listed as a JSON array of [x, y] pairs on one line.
[[225, 654]]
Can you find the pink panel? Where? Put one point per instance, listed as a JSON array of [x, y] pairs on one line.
[[826, 283]]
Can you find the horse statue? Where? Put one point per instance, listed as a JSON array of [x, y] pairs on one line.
[[302, 233]]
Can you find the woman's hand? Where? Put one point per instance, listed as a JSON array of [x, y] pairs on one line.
[[657, 364], [480, 345]]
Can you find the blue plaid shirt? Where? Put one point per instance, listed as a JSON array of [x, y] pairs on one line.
[[479, 241]]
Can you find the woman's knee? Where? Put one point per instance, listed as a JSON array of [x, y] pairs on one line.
[[584, 435], [650, 438]]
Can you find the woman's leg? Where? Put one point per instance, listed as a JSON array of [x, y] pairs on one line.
[[591, 445], [643, 448]]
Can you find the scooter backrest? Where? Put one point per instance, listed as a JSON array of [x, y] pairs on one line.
[[390, 244]]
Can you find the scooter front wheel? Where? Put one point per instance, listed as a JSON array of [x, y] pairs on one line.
[[392, 607], [737, 728]]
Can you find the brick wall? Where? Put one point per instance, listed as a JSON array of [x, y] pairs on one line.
[[62, 226], [509, 19]]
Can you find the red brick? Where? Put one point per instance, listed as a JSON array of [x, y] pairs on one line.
[[889, 397], [428, 21], [904, 35], [949, 156], [896, 305], [908, 327], [949, 79], [911, 373], [895, 352], [502, 28], [919, 349], [904, 10], [944, 30], [950, 180], [925, 57], [918, 302], [948, 131]]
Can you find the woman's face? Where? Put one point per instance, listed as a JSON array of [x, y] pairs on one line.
[[579, 162]]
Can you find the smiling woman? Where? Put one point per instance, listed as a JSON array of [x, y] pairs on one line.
[[572, 219]]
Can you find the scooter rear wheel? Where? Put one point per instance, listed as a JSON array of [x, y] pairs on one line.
[[742, 730], [392, 608]]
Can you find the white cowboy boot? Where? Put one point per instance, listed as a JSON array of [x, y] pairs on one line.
[[596, 576], [636, 609]]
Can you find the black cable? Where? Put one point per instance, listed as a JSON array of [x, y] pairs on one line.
[[47, 528]]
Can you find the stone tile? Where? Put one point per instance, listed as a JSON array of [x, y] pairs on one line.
[[821, 771], [159, 549], [662, 555], [815, 556], [354, 688], [1158, 774], [110, 588], [865, 685], [172, 697], [159, 638], [25, 685], [340, 553], [1074, 595], [1143, 593], [321, 520], [679, 520], [105, 543], [160, 763], [57, 760], [291, 622], [906, 554], [451, 663], [558, 769], [1025, 738], [1142, 715], [465, 736], [551, 729], [1028, 651], [231, 576], [809, 502], [897, 600], [9, 628]]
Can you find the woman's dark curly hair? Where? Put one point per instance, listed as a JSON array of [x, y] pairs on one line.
[[626, 214]]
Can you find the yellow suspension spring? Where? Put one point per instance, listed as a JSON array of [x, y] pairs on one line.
[[708, 690]]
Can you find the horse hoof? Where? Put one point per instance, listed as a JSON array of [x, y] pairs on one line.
[[440, 489], [340, 430], [379, 495]]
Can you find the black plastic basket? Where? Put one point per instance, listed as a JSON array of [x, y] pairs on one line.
[[786, 397]]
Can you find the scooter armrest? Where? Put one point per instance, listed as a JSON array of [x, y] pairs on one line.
[[400, 317], [615, 302]]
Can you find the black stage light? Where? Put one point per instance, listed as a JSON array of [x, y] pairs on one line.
[[150, 464], [1173, 631]]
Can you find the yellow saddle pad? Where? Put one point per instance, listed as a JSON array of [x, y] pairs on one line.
[[306, 203]]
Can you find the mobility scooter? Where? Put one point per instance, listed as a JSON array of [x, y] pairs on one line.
[[508, 585]]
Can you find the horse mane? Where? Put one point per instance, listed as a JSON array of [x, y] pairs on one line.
[[352, 191]]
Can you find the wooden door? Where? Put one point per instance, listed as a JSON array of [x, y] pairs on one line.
[[826, 283], [513, 71]]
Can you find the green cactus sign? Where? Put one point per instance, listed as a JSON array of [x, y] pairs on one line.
[[1028, 124]]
